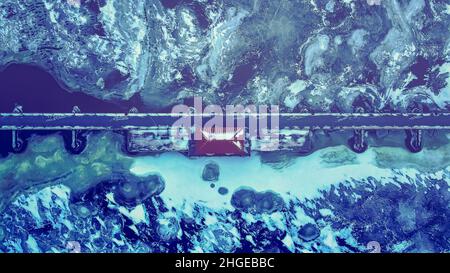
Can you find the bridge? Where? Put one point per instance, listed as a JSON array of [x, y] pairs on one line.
[[137, 125], [140, 121]]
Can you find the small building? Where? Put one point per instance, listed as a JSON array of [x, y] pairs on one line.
[[223, 143]]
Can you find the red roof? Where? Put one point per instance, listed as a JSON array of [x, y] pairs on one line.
[[220, 144]]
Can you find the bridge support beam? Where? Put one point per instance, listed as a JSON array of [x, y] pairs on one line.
[[414, 137], [18, 144], [414, 140], [358, 142], [308, 147], [75, 142]]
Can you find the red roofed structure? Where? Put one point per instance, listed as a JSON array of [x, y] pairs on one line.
[[222, 143]]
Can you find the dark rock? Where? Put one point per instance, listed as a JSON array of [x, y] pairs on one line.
[[211, 172], [249, 200], [134, 190], [223, 191], [269, 202], [309, 232], [243, 199]]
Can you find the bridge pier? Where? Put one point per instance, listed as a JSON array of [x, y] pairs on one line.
[[308, 147], [414, 137], [414, 140], [74, 141], [358, 142], [18, 144]]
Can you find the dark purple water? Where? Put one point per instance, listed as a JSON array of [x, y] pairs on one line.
[[37, 91]]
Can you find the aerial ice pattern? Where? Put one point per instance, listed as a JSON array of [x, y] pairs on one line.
[[306, 56]]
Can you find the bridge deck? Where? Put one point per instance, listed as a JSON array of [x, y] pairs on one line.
[[91, 121]]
